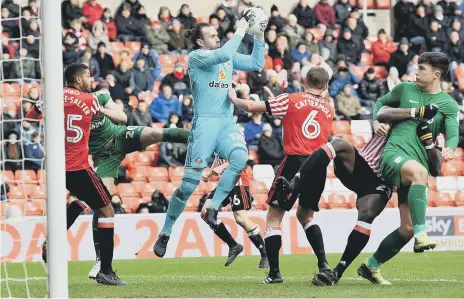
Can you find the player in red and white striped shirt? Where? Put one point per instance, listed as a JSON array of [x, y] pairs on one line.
[[241, 201]]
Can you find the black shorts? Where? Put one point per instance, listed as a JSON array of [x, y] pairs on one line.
[[87, 187], [310, 193], [239, 198], [363, 181]]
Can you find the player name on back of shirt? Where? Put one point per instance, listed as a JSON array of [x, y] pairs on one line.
[[309, 100], [76, 101]]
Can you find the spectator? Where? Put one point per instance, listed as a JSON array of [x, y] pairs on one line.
[[141, 117], [253, 131], [296, 67], [34, 153], [125, 77], [33, 29], [270, 39], [277, 130], [413, 65], [159, 202], [273, 84], [270, 149], [243, 92], [442, 20], [33, 7], [32, 45], [357, 31], [370, 88], [435, 38], [133, 6], [115, 88], [392, 80], [282, 75], [177, 42], [164, 104], [304, 14], [165, 17], [187, 109], [70, 10], [216, 24], [99, 34], [185, 17], [126, 56], [343, 77], [27, 68], [4, 189], [12, 151], [256, 80], [172, 154], [325, 14], [327, 62], [276, 22], [293, 31], [92, 63], [110, 24], [9, 26], [456, 25], [116, 202], [428, 5], [455, 51], [223, 18], [311, 45], [419, 26], [33, 94], [129, 29], [347, 46], [12, 7], [229, 33], [7, 66], [282, 51], [76, 28], [143, 78], [448, 7], [26, 130], [105, 60], [25, 20], [382, 49], [268, 64], [151, 60], [295, 84], [93, 11], [403, 10], [157, 37], [360, 28], [315, 61], [143, 208], [329, 43], [142, 17], [401, 57], [70, 52], [26, 106], [9, 122], [178, 80], [348, 104]]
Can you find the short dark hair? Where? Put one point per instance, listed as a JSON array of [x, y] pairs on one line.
[[195, 33], [317, 78], [74, 70], [437, 60]]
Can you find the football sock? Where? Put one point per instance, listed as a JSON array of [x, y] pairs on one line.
[[273, 242], [96, 243], [73, 211], [389, 247], [106, 237], [314, 236], [175, 135], [222, 232], [179, 199], [257, 240], [357, 240], [237, 162], [417, 201], [319, 159]]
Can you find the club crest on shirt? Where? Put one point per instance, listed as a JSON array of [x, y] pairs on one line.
[[222, 75], [198, 160]]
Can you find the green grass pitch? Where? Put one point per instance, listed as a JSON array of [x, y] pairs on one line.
[[434, 274]]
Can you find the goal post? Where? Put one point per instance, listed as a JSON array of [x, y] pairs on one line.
[[55, 151]]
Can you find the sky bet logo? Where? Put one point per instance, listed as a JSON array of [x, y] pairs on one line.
[[445, 225]]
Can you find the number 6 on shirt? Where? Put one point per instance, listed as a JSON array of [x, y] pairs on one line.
[[309, 123]]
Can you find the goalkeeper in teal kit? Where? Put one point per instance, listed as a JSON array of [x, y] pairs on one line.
[[214, 129]]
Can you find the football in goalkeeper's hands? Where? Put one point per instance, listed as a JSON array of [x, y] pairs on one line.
[[259, 23]]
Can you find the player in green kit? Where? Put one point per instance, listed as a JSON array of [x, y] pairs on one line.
[[404, 161], [110, 141]]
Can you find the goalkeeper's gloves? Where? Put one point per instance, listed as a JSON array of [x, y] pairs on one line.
[[425, 135], [248, 15], [425, 112]]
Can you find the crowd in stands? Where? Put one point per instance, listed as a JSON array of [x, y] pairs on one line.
[[141, 58]]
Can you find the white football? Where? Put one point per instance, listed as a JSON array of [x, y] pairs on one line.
[[260, 21]]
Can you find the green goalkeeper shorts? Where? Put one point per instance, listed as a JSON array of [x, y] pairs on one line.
[[106, 162], [391, 164]]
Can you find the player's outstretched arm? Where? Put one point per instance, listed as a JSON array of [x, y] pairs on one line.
[[391, 115], [114, 112], [246, 105], [391, 99], [255, 61], [434, 155]]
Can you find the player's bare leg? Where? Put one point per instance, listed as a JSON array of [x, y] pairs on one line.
[[415, 175], [152, 136], [388, 248], [221, 231], [252, 229], [273, 243], [106, 236]]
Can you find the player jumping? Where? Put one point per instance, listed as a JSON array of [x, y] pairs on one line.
[[214, 128], [307, 119], [79, 109], [240, 199], [404, 161]]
